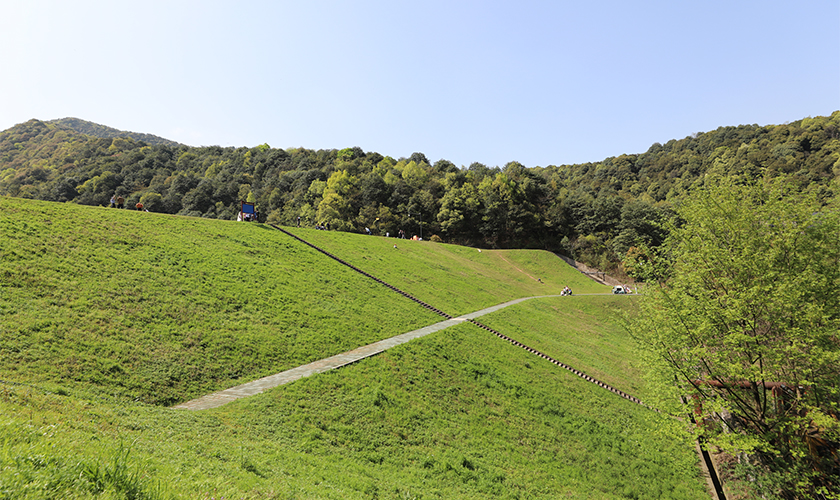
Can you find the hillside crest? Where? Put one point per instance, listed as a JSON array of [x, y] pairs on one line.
[[105, 132]]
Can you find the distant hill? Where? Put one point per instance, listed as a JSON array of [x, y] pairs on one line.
[[104, 132]]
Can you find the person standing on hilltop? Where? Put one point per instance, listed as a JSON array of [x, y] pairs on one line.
[[120, 202], [113, 201]]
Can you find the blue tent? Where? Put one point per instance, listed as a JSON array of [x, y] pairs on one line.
[[247, 212]]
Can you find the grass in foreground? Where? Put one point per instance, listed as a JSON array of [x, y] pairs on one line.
[[101, 307], [162, 308], [454, 415]]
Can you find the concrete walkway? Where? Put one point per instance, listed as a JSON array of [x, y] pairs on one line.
[[261, 385]]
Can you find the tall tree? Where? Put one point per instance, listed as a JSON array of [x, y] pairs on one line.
[[459, 212], [335, 207], [748, 324]]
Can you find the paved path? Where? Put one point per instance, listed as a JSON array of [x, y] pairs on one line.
[[261, 385]]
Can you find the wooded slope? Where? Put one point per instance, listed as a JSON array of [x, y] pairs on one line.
[[594, 212]]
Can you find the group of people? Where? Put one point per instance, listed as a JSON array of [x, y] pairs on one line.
[[566, 291], [119, 202], [400, 234], [326, 227]]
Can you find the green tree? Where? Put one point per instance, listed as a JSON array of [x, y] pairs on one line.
[[152, 201], [199, 201], [508, 215], [97, 190], [341, 182], [415, 175], [459, 212], [748, 324], [373, 189], [333, 210], [640, 225], [335, 207]]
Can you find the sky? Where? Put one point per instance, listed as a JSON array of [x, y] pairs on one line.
[[538, 82]]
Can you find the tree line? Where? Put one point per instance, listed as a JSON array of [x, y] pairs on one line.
[[736, 231], [594, 212]]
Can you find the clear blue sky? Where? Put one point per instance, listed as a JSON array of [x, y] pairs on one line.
[[539, 82]]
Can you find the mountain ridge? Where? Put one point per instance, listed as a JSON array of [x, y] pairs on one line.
[[105, 132]]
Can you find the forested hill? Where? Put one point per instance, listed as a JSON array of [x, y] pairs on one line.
[[97, 130], [594, 212]]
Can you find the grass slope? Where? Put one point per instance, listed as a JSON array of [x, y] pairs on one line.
[[455, 279], [161, 308], [579, 331], [101, 307]]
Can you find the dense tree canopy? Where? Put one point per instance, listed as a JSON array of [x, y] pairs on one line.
[[748, 324], [595, 212]]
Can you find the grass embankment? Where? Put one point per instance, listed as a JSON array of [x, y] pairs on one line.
[[162, 308], [455, 279], [458, 414], [582, 332]]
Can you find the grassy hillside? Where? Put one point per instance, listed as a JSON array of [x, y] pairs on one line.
[[453, 278], [104, 312], [579, 331], [159, 308]]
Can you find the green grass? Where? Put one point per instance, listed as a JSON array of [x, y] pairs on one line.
[[109, 315], [582, 332], [455, 279], [164, 308]]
